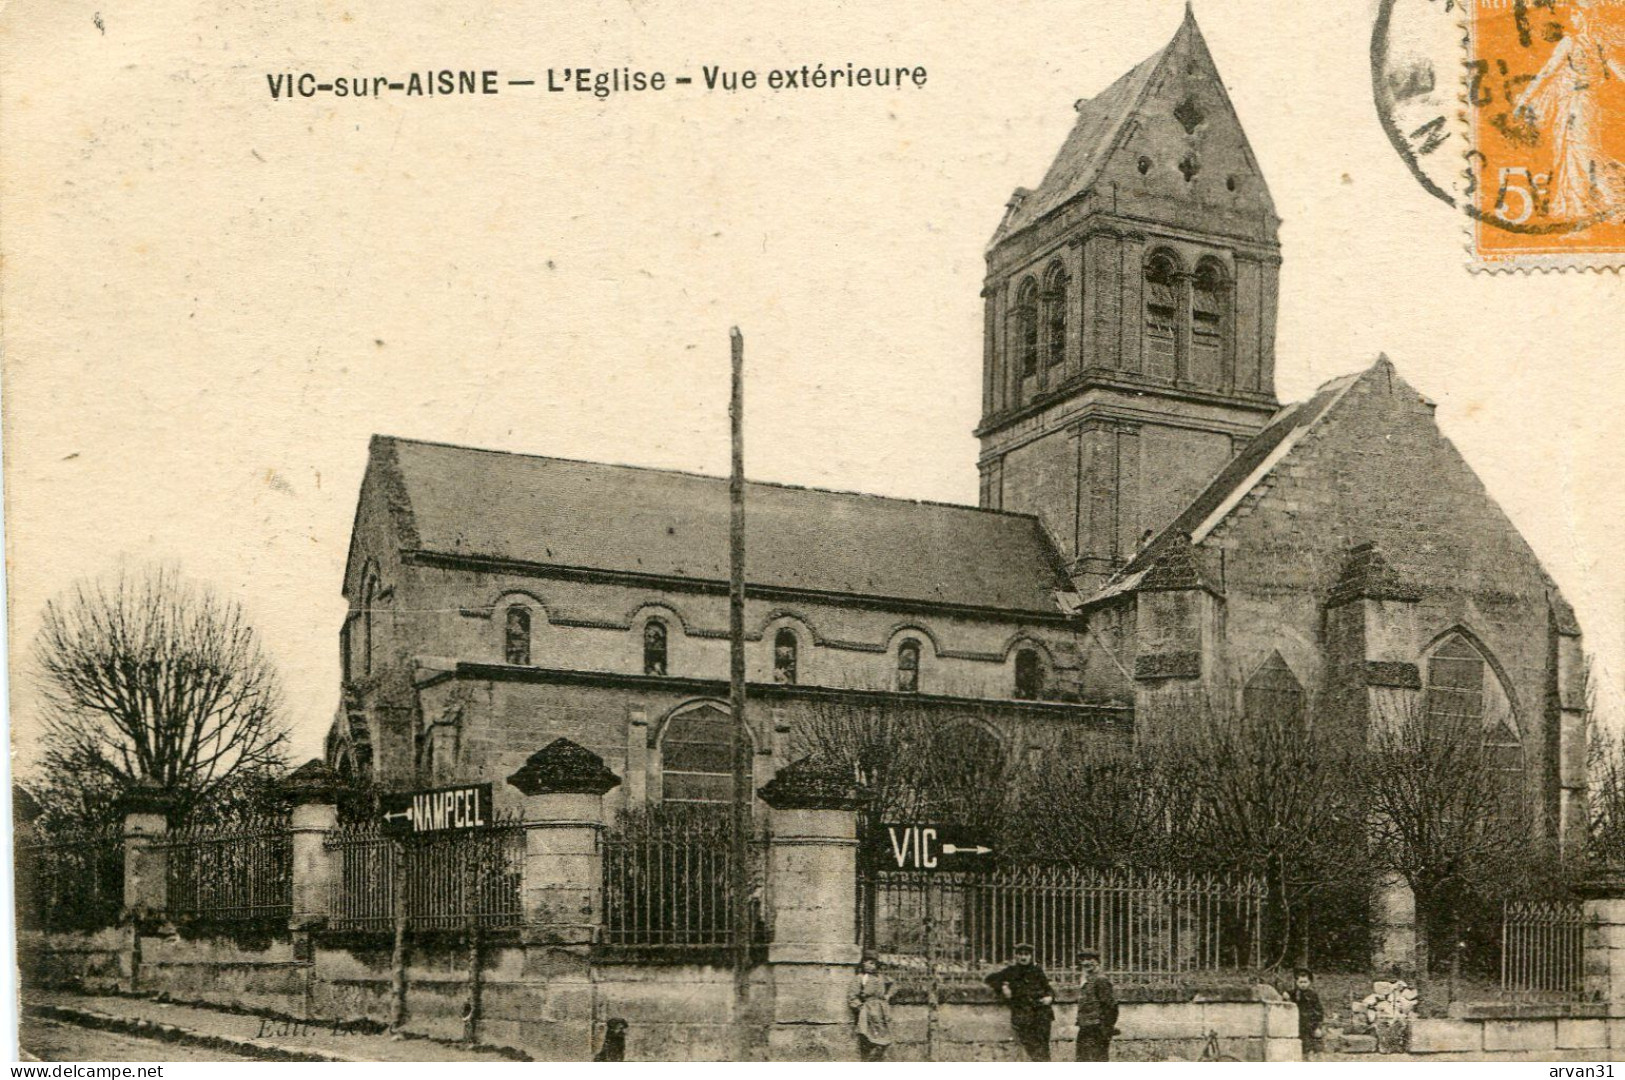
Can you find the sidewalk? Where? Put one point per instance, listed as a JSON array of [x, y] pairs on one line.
[[238, 1033]]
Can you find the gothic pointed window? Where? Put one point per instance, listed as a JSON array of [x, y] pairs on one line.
[[1210, 322], [1029, 675], [1027, 329], [908, 666], [516, 636], [1273, 694], [1455, 681], [1462, 688], [1056, 300], [1163, 308], [784, 657], [654, 647]]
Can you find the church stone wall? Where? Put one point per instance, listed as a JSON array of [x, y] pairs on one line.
[[458, 614], [1108, 651], [485, 725], [1175, 465], [1041, 477], [1378, 469]]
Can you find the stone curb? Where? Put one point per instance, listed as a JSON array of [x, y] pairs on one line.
[[148, 1029]]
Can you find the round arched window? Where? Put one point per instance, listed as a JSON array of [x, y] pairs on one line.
[[908, 666], [516, 636], [1029, 675], [784, 657], [654, 647]]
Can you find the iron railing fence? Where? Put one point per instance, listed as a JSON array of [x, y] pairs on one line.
[[363, 891], [466, 878], [668, 883], [237, 872], [1150, 927], [1543, 949], [450, 880], [70, 880]]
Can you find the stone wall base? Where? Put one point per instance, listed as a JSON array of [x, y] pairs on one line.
[[554, 1007], [1488, 1030]]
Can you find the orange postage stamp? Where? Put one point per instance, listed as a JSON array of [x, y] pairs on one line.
[[1545, 106]]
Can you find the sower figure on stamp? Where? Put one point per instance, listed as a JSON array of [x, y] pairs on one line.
[[871, 1001], [1097, 1010], [1026, 989]]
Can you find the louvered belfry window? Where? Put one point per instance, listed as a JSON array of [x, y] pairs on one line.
[[1027, 328], [1162, 315]]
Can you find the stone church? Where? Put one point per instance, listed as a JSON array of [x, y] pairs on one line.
[[1153, 523]]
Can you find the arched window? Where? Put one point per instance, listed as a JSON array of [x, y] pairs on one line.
[[696, 757], [1461, 686], [1162, 315], [908, 666], [654, 647], [1027, 329], [1055, 308], [1029, 675], [1210, 321], [1273, 694], [784, 656], [516, 636]]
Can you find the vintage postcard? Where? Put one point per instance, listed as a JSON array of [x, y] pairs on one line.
[[627, 531]]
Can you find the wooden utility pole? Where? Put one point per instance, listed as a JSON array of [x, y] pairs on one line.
[[743, 770]]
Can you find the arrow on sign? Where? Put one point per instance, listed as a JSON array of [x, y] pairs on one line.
[[399, 814], [953, 849]]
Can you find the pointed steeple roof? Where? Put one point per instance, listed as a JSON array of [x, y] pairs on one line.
[[1103, 124]]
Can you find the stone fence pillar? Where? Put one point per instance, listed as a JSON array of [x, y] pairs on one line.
[[562, 894], [1604, 956], [146, 810], [312, 790], [813, 875]]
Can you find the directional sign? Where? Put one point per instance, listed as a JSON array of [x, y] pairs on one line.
[[437, 809], [927, 847]]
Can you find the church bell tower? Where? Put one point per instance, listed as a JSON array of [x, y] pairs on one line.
[[1130, 314]]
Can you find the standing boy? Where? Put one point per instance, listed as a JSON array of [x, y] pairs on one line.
[[1311, 1016], [1026, 989], [1097, 1010]]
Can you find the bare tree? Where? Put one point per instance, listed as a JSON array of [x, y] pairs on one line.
[[919, 760], [149, 679], [1100, 802], [1606, 774], [1447, 815], [1266, 791]]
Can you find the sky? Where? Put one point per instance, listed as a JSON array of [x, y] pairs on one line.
[[211, 299]]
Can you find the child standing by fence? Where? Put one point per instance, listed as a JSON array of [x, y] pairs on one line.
[[1311, 1016]]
